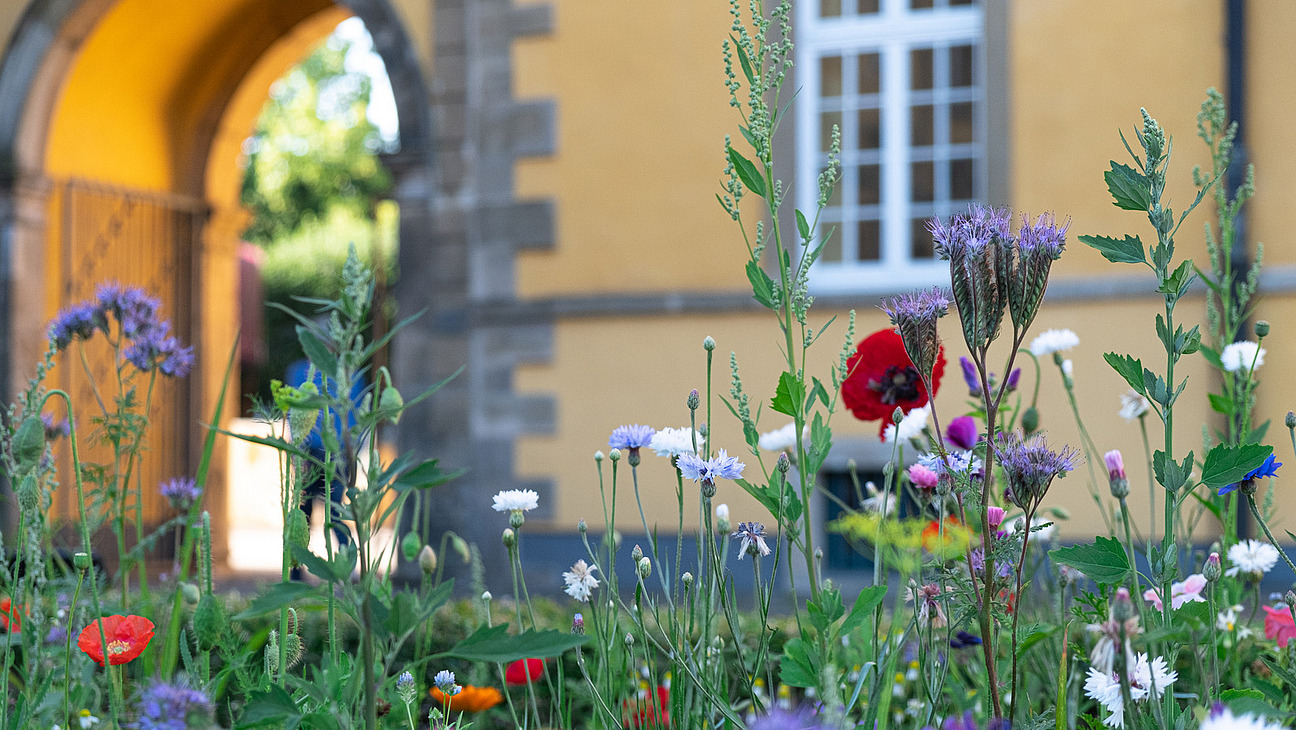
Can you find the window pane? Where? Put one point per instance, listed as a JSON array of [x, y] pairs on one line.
[[962, 179], [870, 129], [870, 184], [923, 121], [920, 68], [919, 4], [832, 250], [921, 244], [962, 2], [960, 66], [830, 76], [924, 181], [826, 122], [870, 241], [834, 200], [868, 7], [870, 73], [829, 8], [961, 123]]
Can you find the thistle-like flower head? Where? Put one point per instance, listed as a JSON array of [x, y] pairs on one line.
[[1030, 466], [914, 316]]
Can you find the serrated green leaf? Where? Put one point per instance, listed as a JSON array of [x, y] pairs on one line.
[[272, 705], [1177, 282], [1128, 368], [1170, 474], [318, 353], [798, 668], [1227, 465], [1248, 702], [865, 604], [789, 395], [747, 172], [1103, 561], [762, 285], [275, 597], [495, 644], [1127, 250], [1128, 187]]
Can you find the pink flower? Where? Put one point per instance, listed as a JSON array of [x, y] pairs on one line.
[[1115, 465], [1279, 626], [922, 477], [1185, 591], [995, 516]]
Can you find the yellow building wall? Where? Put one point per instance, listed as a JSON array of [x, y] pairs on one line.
[[642, 115], [1268, 127]]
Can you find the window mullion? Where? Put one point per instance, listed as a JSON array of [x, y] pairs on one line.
[[895, 152]]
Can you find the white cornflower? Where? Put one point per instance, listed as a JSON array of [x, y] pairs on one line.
[[722, 511], [1133, 405], [581, 581], [1051, 341], [1244, 356], [910, 427], [1152, 676], [1253, 557], [1104, 689], [1068, 368], [675, 441], [516, 500], [783, 439], [1222, 718], [1227, 620], [1149, 678], [876, 499]]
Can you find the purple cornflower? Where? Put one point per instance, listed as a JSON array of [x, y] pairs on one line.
[[163, 706], [977, 563], [722, 466], [1267, 469], [803, 718], [914, 316], [76, 321], [181, 492], [135, 311], [970, 376], [962, 432], [752, 535], [1031, 466], [631, 439]]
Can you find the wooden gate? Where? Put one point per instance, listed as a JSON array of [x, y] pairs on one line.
[[105, 234]]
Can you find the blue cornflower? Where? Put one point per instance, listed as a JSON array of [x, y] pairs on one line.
[[1267, 469], [77, 321], [802, 718], [723, 466], [163, 706], [631, 437]]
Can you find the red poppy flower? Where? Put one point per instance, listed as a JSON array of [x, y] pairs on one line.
[[1279, 625], [642, 712], [518, 671], [882, 377], [10, 618], [932, 533], [126, 635]]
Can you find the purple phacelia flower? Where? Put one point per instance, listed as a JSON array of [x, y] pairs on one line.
[[181, 492], [76, 321], [970, 376], [163, 706], [914, 316], [135, 311], [1031, 467]]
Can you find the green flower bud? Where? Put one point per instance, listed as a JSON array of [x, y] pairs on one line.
[[82, 561], [29, 443], [427, 560], [1262, 328], [709, 344], [210, 622], [581, 527], [1291, 419], [190, 593], [598, 456], [615, 454], [645, 568], [1030, 420], [298, 530], [509, 537], [1212, 570], [410, 545], [694, 400], [687, 579], [636, 554]]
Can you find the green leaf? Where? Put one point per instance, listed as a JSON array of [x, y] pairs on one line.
[[747, 172], [1248, 701], [273, 705], [789, 394], [803, 226], [495, 644], [1220, 403], [425, 476], [1034, 635], [1128, 368], [1175, 284], [1282, 672], [1170, 474], [798, 667], [1128, 250], [1128, 187], [1227, 465], [319, 567], [744, 61], [29, 444], [865, 604], [323, 360], [761, 283], [1194, 613], [1103, 561], [275, 597]]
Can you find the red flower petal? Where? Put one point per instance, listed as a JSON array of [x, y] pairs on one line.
[[517, 672], [9, 614], [868, 367], [1278, 625], [127, 637]]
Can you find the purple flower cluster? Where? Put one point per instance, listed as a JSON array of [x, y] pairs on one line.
[[181, 492], [152, 346], [163, 706], [1031, 466]]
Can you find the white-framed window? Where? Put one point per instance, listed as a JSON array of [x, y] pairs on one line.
[[904, 80]]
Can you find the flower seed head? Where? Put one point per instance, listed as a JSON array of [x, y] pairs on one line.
[[1262, 328]]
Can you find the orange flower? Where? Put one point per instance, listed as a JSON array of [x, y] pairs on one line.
[[127, 637], [469, 699], [931, 534], [9, 614]]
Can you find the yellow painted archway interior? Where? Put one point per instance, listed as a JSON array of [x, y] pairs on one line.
[[149, 121]]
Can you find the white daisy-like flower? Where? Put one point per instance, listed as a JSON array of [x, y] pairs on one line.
[[876, 500], [675, 441], [1228, 620], [1068, 368], [910, 427], [1051, 341], [516, 500], [1149, 678], [86, 720], [1104, 689], [581, 581], [1133, 405], [1222, 718], [780, 439], [1244, 356], [1253, 557], [1152, 676]]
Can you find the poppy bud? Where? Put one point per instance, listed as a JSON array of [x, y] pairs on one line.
[[1262, 328], [209, 621], [1030, 420], [427, 560]]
